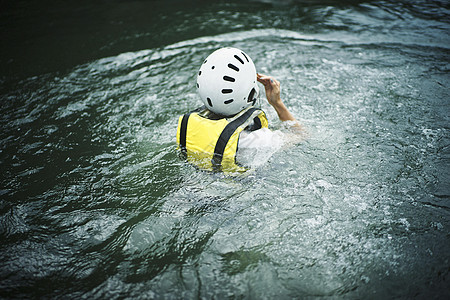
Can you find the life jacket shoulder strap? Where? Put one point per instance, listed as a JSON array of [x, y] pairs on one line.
[[183, 133], [226, 135]]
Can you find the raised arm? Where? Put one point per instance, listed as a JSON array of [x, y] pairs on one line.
[[272, 87]]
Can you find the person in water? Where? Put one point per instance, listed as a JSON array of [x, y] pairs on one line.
[[212, 136]]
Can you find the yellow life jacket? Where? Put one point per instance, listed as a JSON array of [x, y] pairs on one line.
[[211, 142]]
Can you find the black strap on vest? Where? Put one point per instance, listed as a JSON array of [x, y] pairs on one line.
[[225, 137], [255, 125], [183, 132]]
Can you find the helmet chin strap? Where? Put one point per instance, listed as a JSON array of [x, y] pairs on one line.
[[259, 101]]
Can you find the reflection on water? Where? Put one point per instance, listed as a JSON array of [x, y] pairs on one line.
[[96, 203]]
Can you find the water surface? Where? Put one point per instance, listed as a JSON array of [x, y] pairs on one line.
[[96, 203]]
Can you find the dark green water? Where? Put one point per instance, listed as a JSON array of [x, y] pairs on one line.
[[95, 202]]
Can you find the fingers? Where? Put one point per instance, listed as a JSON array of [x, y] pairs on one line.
[[267, 80], [262, 78]]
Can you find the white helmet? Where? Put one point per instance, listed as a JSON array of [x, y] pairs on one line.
[[226, 81]]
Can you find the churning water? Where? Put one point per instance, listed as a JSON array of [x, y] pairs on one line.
[[96, 203]]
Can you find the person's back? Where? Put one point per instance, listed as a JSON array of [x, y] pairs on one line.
[[229, 123]]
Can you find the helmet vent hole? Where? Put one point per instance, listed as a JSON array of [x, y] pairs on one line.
[[198, 85], [252, 96], [231, 66], [228, 101], [245, 56], [209, 101], [213, 67], [227, 91], [199, 73], [228, 78], [239, 59]]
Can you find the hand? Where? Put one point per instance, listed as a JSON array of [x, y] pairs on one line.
[[272, 87]]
